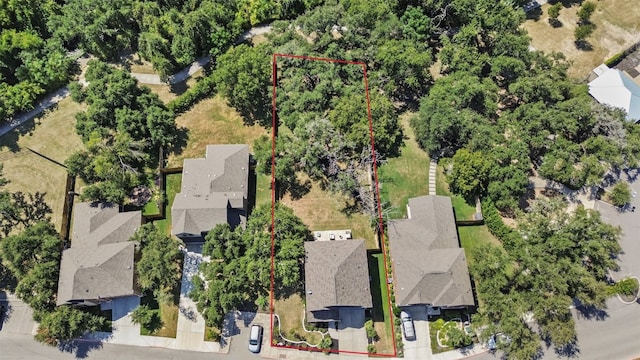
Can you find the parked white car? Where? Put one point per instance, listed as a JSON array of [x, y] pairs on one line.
[[407, 326]]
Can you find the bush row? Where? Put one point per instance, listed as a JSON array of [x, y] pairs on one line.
[[496, 226], [202, 89]]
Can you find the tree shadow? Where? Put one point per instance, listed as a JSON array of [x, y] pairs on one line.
[[555, 23], [534, 14], [297, 189], [80, 348], [181, 139], [590, 312], [583, 45], [570, 350]]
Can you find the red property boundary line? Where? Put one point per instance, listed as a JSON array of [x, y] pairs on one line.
[[274, 129]]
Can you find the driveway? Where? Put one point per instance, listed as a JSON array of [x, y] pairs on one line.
[[420, 348], [18, 316], [351, 334]]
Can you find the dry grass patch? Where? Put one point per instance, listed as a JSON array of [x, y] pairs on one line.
[[291, 312], [322, 210], [52, 134], [212, 121], [617, 28]]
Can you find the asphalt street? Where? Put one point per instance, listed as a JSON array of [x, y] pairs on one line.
[[17, 347]]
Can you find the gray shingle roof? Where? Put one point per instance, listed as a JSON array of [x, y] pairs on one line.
[[429, 266], [336, 274], [100, 262], [210, 187]]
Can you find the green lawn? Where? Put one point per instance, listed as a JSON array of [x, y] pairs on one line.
[[470, 236], [174, 181], [405, 176], [380, 296], [263, 189]]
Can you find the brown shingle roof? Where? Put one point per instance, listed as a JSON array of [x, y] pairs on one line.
[[100, 262], [210, 187], [429, 266], [336, 274]]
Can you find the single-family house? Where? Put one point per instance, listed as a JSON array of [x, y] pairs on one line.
[[429, 267], [336, 276], [99, 264], [615, 88], [213, 191]]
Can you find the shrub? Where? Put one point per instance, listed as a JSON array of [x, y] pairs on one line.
[[615, 59], [203, 88], [371, 349], [620, 194], [554, 10], [583, 31], [458, 338], [371, 331], [628, 287], [585, 11]]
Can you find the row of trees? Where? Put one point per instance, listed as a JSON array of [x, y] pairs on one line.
[[31, 62], [552, 259], [507, 110], [239, 274], [122, 126]]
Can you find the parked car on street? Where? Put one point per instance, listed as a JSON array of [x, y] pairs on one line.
[[407, 326]]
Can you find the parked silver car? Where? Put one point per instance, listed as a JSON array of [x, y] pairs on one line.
[[255, 339], [407, 326]]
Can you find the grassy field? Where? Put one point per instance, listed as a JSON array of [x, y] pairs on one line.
[[405, 176], [381, 312], [290, 311], [167, 92], [617, 27], [52, 134], [212, 121], [321, 210], [174, 182]]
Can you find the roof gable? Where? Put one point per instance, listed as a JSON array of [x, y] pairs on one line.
[[211, 186], [615, 88], [336, 274], [429, 265], [100, 261]]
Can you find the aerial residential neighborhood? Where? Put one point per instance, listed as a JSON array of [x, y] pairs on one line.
[[298, 179]]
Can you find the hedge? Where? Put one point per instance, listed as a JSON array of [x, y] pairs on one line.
[[202, 89], [495, 224]]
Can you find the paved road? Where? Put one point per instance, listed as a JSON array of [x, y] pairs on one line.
[[614, 338], [18, 346]]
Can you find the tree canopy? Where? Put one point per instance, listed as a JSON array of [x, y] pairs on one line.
[[240, 269], [552, 258]]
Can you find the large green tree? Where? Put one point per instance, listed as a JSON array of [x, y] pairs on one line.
[[240, 269]]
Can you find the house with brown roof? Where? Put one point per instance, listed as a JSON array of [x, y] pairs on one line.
[[429, 267], [99, 264], [336, 277], [213, 191]]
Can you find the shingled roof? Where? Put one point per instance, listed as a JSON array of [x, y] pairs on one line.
[[336, 274], [429, 265], [99, 265], [214, 190]]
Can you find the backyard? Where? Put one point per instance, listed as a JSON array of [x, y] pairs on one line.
[[617, 28], [405, 176], [322, 210], [173, 184], [212, 121], [53, 135]]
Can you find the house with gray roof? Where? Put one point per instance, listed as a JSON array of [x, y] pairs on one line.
[[336, 275], [429, 267], [99, 264], [213, 191]]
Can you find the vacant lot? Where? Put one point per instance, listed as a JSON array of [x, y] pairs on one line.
[[405, 176], [53, 135], [617, 27], [322, 210], [212, 121]]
